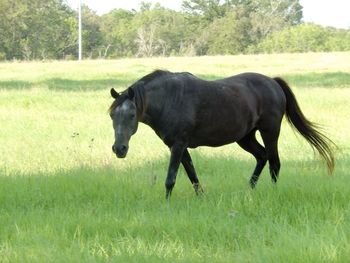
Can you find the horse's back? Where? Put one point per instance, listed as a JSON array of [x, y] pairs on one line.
[[257, 84], [229, 108], [267, 93], [252, 91]]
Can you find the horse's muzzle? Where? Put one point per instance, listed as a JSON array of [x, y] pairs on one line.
[[120, 150]]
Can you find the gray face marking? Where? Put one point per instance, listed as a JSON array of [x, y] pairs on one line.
[[125, 106], [125, 124]]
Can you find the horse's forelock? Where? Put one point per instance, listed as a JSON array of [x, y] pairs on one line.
[[119, 101]]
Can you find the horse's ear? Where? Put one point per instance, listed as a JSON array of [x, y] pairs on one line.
[[131, 93], [114, 94]]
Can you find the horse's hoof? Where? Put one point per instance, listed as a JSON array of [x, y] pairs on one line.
[[252, 183], [198, 189]]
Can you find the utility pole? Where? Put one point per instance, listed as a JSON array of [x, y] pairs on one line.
[[80, 46]]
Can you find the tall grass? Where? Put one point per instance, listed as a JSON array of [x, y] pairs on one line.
[[65, 198]]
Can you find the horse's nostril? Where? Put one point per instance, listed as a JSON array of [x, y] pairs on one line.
[[113, 148], [121, 150]]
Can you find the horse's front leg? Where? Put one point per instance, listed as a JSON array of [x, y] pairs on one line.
[[175, 158]]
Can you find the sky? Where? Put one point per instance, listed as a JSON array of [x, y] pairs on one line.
[[334, 13]]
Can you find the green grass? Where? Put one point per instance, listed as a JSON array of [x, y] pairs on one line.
[[65, 198]]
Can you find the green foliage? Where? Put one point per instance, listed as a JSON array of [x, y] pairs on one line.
[[91, 33], [223, 36], [41, 29], [267, 17], [229, 27], [305, 38], [118, 33], [36, 29], [208, 10], [159, 31]]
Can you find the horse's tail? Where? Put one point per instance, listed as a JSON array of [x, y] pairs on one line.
[[306, 128]]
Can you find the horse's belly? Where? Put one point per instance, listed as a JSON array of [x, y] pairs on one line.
[[211, 143], [216, 137], [223, 127]]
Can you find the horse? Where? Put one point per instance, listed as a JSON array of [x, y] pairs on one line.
[[186, 112]]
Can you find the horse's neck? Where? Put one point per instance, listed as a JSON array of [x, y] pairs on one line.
[[151, 108], [140, 102]]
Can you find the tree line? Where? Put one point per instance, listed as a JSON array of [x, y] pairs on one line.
[[47, 29]]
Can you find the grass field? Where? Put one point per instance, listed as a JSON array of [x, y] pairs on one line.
[[64, 197]]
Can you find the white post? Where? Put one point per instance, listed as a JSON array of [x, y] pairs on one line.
[[80, 46]]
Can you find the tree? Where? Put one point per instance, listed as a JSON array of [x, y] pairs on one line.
[[33, 29], [209, 10], [273, 15], [224, 35], [159, 29], [118, 33], [91, 33], [12, 27]]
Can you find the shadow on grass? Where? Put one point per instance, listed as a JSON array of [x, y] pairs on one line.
[[86, 85], [16, 85], [61, 84], [93, 185], [325, 80]]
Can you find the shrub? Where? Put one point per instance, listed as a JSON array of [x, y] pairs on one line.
[[304, 38]]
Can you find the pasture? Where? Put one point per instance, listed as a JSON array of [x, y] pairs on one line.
[[64, 197]]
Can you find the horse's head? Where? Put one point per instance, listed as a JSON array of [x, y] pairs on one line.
[[124, 115]]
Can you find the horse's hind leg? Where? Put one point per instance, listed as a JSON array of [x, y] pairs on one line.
[[270, 139], [191, 172], [251, 145]]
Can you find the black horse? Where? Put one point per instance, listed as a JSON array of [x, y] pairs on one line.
[[187, 112]]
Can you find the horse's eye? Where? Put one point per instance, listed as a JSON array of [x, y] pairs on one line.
[[132, 116]]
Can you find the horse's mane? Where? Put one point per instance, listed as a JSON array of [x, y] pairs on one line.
[[145, 79], [153, 75]]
